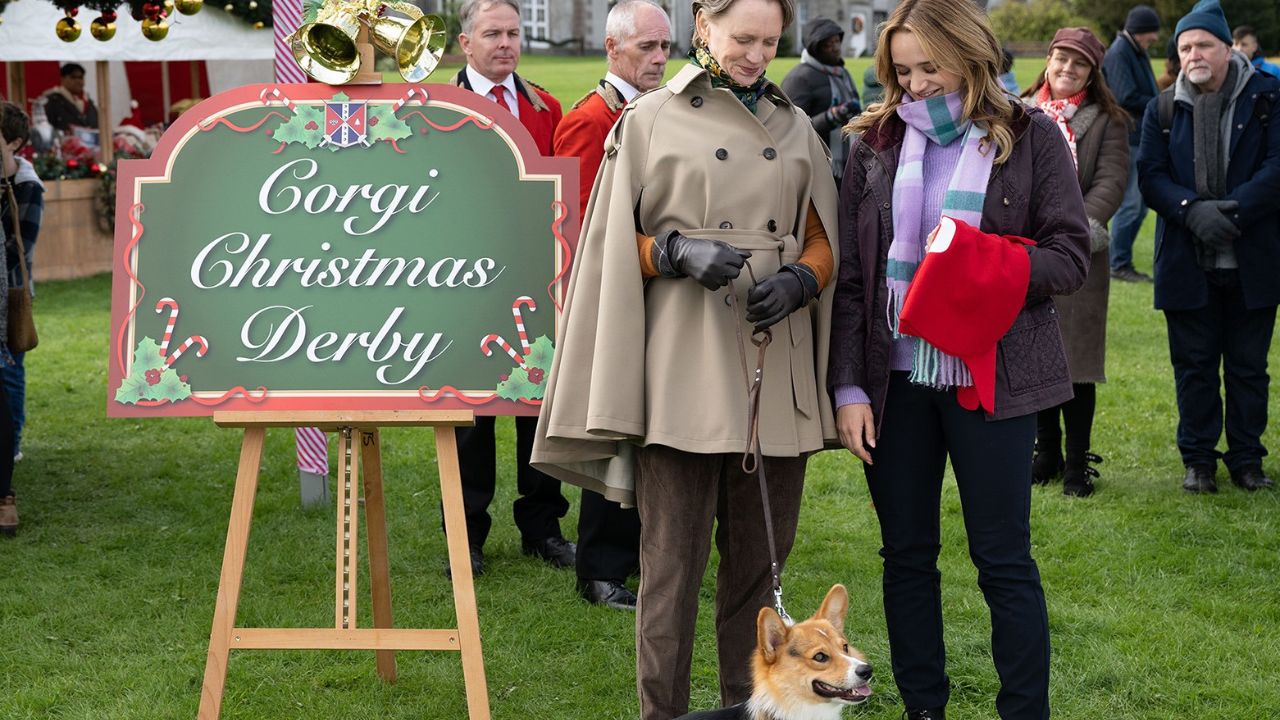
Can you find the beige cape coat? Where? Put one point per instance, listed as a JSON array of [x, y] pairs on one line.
[[658, 362]]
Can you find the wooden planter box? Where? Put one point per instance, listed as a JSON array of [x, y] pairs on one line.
[[70, 244]]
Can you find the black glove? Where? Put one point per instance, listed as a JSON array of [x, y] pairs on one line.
[[712, 263], [1208, 221], [843, 113], [779, 295]]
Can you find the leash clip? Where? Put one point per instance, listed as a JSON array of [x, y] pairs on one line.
[[777, 604]]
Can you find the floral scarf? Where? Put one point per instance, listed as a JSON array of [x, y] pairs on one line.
[[1062, 111], [749, 96]]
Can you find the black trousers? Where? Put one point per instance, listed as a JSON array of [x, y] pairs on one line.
[[1223, 334], [992, 463], [608, 539], [540, 506]]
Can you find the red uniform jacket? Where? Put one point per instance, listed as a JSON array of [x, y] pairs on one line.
[[583, 132], [539, 112]]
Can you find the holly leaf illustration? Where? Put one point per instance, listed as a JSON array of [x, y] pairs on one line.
[[170, 388], [306, 127], [150, 379], [518, 386], [130, 390], [384, 125], [541, 353], [147, 357]]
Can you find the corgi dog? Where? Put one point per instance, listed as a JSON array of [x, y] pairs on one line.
[[802, 671]]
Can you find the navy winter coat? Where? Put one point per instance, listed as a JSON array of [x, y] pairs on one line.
[[1131, 79], [1166, 175]]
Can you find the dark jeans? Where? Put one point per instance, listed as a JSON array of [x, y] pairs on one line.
[[540, 506], [1127, 221], [1223, 334], [992, 463], [681, 497], [6, 445], [15, 384], [608, 539]]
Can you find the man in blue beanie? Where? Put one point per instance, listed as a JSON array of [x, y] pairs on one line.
[[1127, 69], [1209, 165]]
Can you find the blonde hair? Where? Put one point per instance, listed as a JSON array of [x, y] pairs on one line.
[[954, 35]]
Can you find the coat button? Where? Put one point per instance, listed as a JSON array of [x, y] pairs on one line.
[[885, 206], [1006, 202], [770, 153], [721, 153], [696, 101], [726, 225], [773, 226]]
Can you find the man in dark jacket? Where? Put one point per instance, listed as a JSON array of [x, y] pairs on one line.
[[1213, 180], [822, 87], [1127, 69], [67, 105]]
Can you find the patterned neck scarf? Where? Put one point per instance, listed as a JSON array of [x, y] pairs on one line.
[[1062, 111], [749, 96], [938, 120]]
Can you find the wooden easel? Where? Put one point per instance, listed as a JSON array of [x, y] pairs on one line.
[[353, 427]]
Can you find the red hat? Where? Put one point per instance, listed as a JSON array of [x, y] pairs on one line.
[[964, 298]]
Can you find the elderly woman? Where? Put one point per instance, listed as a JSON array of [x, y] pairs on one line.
[[1073, 92], [949, 141], [712, 178]]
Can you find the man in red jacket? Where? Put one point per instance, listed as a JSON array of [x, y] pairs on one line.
[[637, 41], [490, 38]]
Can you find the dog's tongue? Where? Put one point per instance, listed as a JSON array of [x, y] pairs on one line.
[[864, 691]]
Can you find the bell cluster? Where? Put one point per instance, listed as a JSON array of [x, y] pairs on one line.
[[328, 46]]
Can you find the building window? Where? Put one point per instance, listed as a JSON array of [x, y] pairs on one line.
[[535, 23]]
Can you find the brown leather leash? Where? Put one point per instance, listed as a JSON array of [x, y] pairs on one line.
[[752, 459]]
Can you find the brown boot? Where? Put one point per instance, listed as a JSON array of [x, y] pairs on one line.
[[9, 516]]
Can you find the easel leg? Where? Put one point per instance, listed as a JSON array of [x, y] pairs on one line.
[[464, 592], [348, 543], [375, 517], [224, 613]]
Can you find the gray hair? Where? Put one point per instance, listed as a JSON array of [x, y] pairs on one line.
[[620, 24], [467, 13], [713, 8]]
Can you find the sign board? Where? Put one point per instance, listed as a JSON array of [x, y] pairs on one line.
[[306, 247]]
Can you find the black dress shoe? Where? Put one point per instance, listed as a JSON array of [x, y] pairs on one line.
[[477, 563], [1251, 479], [1199, 479], [555, 551], [610, 593], [938, 714]]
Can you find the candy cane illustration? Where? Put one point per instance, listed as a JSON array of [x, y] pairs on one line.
[[420, 93], [172, 304], [515, 312], [276, 95], [488, 352], [193, 340]]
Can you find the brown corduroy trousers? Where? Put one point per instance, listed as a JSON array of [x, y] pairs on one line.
[[680, 497]]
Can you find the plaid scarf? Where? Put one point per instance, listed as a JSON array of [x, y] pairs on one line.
[[749, 96], [1062, 111], [938, 120]]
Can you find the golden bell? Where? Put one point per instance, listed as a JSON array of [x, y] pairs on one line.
[[326, 48], [102, 30], [155, 30], [68, 29], [188, 7], [417, 44]]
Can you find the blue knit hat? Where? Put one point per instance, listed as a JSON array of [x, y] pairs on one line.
[[1206, 15]]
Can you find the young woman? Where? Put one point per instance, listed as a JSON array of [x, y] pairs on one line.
[[1073, 93], [948, 140], [713, 187]]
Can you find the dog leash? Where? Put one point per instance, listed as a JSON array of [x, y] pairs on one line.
[[752, 458]]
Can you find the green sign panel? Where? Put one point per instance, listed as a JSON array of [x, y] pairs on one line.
[[295, 247]]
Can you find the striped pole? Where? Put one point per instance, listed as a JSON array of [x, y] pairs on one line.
[[313, 450], [186, 344], [515, 312], [172, 304], [286, 16], [488, 352]]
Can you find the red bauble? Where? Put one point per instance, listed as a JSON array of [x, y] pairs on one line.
[[73, 163]]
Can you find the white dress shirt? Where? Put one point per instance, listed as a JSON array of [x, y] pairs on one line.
[[486, 87]]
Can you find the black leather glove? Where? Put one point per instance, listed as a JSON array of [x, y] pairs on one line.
[[779, 295], [1208, 221], [843, 113], [713, 263]]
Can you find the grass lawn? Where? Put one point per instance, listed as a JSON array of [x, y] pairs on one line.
[[1161, 605]]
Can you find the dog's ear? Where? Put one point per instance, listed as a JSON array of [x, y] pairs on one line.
[[835, 606], [771, 633]]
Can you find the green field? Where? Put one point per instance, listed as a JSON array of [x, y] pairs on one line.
[[1162, 605]]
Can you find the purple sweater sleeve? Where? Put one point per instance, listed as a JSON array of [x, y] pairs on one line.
[[851, 395]]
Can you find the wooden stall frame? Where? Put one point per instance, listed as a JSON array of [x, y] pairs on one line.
[[352, 427]]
